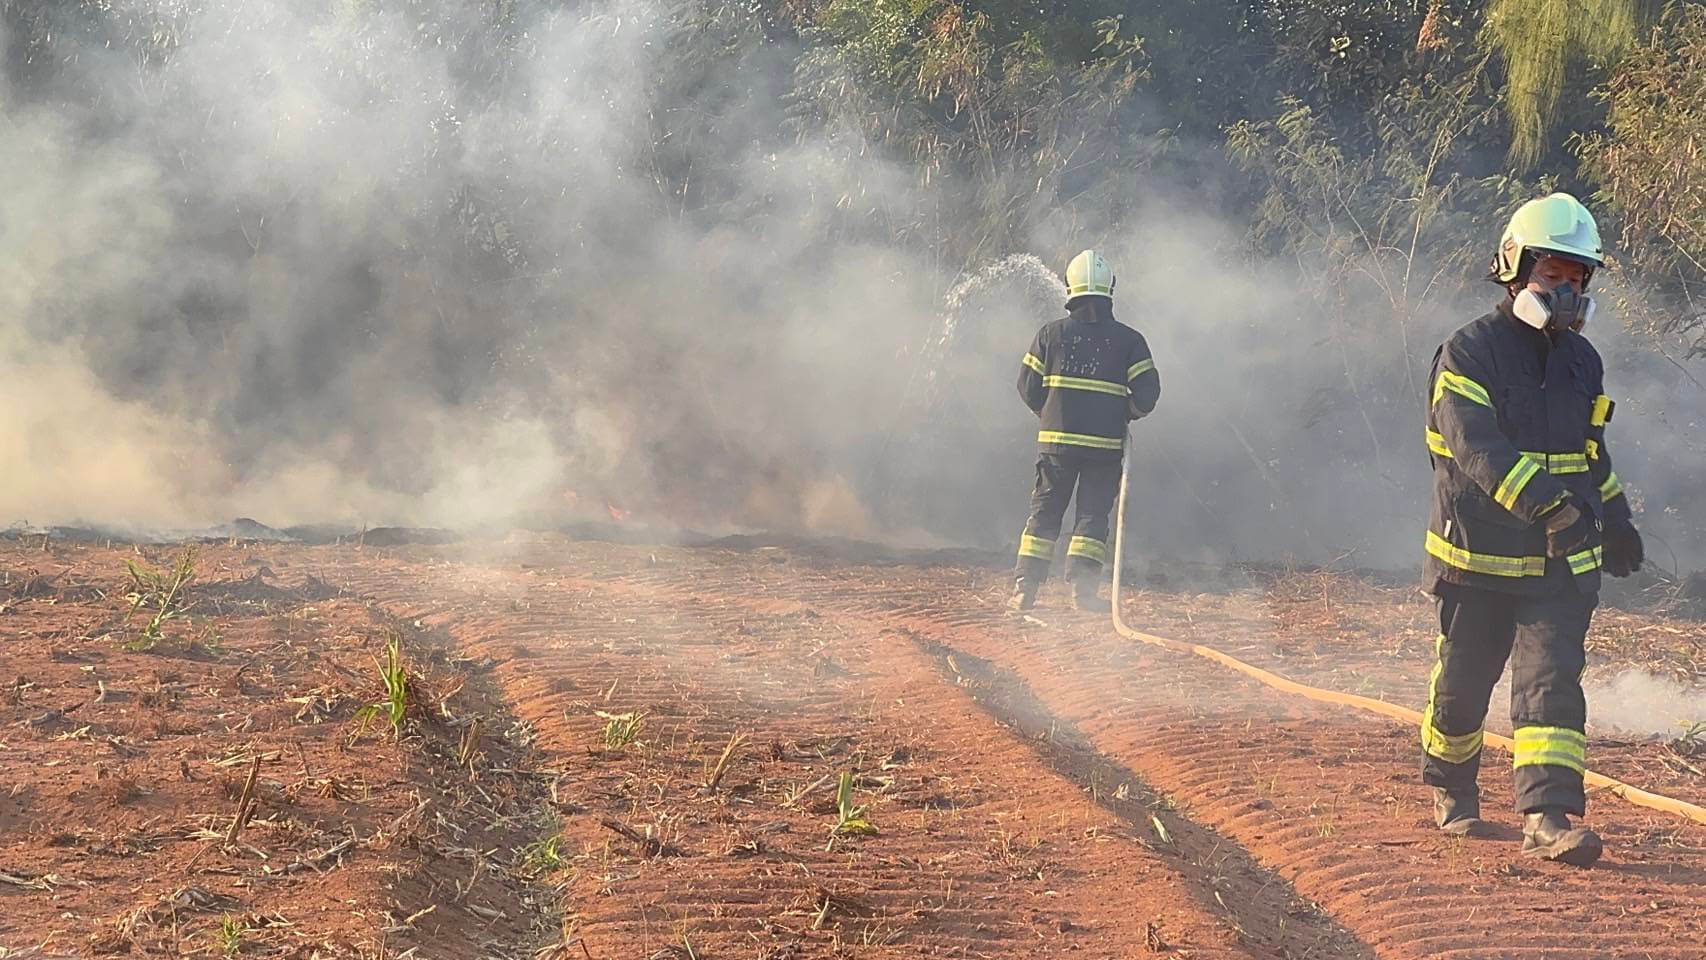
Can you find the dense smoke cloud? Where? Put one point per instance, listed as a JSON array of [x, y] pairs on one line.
[[316, 266], [371, 263]]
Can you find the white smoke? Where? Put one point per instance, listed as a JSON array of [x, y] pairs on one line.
[[1640, 703], [434, 263]]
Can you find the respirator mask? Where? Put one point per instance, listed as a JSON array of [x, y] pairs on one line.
[[1561, 308]]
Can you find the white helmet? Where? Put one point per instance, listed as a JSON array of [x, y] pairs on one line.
[[1555, 225], [1089, 275]]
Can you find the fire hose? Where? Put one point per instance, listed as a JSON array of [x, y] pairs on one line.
[[1594, 780]]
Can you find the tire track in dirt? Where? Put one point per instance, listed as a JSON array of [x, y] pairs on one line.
[[1328, 800], [982, 850], [1348, 826], [1342, 816], [1268, 911]]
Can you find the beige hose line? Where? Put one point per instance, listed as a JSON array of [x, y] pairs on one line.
[[1630, 793]]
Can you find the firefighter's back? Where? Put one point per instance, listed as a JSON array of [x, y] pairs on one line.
[[1088, 358]]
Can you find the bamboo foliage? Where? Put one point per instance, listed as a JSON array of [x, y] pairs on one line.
[[1539, 41]]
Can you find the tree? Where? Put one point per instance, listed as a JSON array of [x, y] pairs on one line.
[[1013, 105], [1652, 177], [1539, 42], [1378, 243]]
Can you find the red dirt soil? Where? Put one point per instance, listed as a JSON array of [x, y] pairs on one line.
[[122, 770], [1032, 788]]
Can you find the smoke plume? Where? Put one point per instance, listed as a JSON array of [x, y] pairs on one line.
[[427, 263]]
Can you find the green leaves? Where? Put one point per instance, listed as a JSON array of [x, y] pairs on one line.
[[1000, 98], [852, 820], [1538, 41], [161, 591], [1648, 165], [394, 676], [621, 729]]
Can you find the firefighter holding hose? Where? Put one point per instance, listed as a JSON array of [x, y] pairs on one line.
[[1086, 377], [1526, 513]]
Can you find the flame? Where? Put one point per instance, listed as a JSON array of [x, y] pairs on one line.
[[617, 513]]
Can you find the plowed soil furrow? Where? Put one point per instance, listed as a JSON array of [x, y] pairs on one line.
[[1346, 634], [209, 790], [1339, 810], [677, 723], [1326, 798], [981, 848]]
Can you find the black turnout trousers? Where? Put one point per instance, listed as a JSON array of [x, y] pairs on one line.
[[1542, 638], [1096, 479]]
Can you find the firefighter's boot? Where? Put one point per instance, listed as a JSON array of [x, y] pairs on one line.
[[1458, 812], [1084, 594], [1024, 595], [1548, 835]]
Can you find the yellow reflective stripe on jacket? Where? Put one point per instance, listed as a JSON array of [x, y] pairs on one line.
[[1462, 386], [1515, 481], [1487, 563], [1436, 444], [1555, 463], [1139, 368], [1550, 746], [1601, 411], [1084, 383], [1037, 547], [1088, 548], [1436, 743], [1494, 565], [1034, 363], [1611, 489], [1079, 440], [1587, 560]]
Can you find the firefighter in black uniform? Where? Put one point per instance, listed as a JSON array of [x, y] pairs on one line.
[[1086, 376], [1526, 512]]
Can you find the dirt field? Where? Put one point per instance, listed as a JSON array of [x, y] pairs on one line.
[[745, 750]]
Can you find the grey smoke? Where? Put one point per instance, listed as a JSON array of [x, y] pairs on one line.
[[385, 263], [322, 266]]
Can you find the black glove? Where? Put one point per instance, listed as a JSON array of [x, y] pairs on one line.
[[1570, 528], [1624, 551]]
